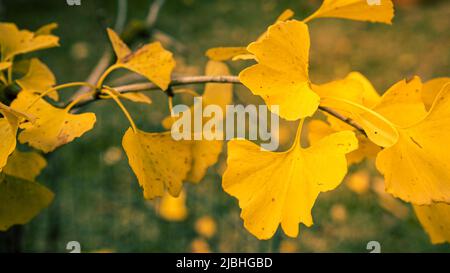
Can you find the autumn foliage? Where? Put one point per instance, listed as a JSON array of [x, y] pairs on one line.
[[406, 130]]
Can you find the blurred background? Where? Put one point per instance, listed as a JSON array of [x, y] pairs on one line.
[[98, 200]]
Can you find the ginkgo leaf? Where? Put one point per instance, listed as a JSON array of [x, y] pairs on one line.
[[205, 153], [281, 75], [54, 127], [25, 165], [136, 97], [219, 94], [381, 11], [46, 29], [21, 200], [4, 65], [38, 79], [281, 187], [14, 41], [402, 103], [354, 87], [241, 53], [435, 219], [158, 161], [318, 129], [173, 208], [151, 61], [417, 167], [378, 129], [8, 130], [430, 90], [225, 53]]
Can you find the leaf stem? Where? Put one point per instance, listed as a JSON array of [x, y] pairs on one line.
[[59, 87], [110, 91], [78, 99], [105, 74]]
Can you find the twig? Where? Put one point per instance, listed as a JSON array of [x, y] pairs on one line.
[[121, 18], [106, 58], [153, 13], [139, 87]]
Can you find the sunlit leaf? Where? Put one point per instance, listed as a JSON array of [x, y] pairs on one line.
[[38, 79], [4, 65], [281, 75], [417, 167], [431, 89], [402, 103], [8, 129], [354, 87], [435, 219], [14, 41], [158, 161], [378, 129], [319, 129], [46, 29], [151, 61], [54, 127], [281, 187], [360, 10], [225, 53], [205, 153], [241, 53], [136, 97]]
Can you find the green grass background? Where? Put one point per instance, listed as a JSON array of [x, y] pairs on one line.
[[101, 205]]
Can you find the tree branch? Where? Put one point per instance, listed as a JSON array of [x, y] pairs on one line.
[[187, 80]]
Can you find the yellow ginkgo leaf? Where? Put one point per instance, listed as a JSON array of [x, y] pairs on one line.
[[281, 75], [402, 103], [46, 29], [318, 129], [430, 90], [151, 61], [158, 161], [38, 79], [14, 41], [8, 131], [9, 124], [4, 65], [417, 167], [205, 153], [217, 93], [354, 87], [225, 53], [54, 127], [378, 129], [381, 11], [25, 165], [241, 53], [281, 187], [21, 200], [173, 208], [136, 97], [435, 219]]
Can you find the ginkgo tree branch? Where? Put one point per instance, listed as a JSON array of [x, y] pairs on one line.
[[188, 80]]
